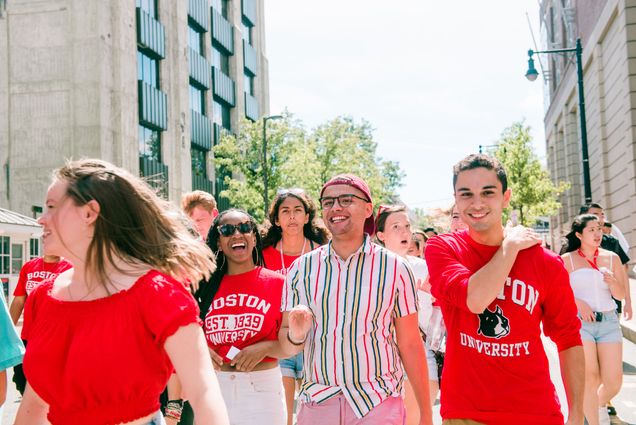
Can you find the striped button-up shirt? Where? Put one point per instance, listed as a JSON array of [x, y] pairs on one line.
[[351, 347]]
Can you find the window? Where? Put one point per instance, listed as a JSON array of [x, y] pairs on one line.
[[220, 6], [199, 167], [221, 61], [34, 248], [148, 6], [16, 258], [248, 83], [147, 69], [197, 100], [149, 143], [247, 32], [221, 115], [195, 41], [5, 252]]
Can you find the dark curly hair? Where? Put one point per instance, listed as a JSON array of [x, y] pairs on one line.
[[313, 230], [208, 289]]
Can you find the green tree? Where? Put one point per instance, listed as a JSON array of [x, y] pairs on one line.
[[298, 158], [533, 192]]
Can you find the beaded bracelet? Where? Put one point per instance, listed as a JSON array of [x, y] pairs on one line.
[[174, 408]]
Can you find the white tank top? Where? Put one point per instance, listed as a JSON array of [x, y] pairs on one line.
[[587, 285]]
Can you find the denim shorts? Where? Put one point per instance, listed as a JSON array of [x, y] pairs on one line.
[[292, 367], [431, 363], [606, 331]]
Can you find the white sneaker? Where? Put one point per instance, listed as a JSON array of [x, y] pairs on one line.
[[603, 416]]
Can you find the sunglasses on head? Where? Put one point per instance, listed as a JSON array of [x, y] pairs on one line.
[[229, 229]]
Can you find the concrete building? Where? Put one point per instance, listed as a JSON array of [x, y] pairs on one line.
[[148, 88], [607, 29]]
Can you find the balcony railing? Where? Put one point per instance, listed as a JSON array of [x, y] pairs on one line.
[[151, 35], [153, 109], [223, 87], [199, 14], [221, 203], [222, 33], [200, 71], [201, 131], [202, 183], [250, 58], [251, 107]]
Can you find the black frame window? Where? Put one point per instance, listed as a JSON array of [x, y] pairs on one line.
[[148, 6], [17, 259], [147, 69], [197, 99], [220, 60], [34, 248], [220, 6], [247, 31], [199, 161], [5, 254], [222, 115], [248, 84], [149, 143], [195, 41]]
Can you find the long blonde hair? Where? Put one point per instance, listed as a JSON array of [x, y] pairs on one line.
[[133, 224]]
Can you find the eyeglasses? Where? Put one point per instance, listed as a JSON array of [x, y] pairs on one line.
[[229, 229], [345, 200]]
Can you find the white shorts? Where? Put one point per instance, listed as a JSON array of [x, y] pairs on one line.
[[251, 396]]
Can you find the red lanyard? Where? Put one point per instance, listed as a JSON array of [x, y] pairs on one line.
[[591, 263]]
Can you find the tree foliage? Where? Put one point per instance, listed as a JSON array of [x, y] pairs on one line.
[[533, 192], [300, 158]]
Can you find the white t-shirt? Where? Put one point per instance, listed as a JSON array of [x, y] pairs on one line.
[[424, 299]]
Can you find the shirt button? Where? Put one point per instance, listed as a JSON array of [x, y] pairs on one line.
[[232, 377]]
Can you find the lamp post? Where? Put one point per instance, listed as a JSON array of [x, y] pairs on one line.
[[532, 75], [265, 197]]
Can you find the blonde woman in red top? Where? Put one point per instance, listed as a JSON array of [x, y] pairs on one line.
[[104, 336]]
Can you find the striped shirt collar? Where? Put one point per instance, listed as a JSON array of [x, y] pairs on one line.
[[365, 248]]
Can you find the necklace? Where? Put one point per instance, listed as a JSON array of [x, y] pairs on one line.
[[282, 258], [591, 263]]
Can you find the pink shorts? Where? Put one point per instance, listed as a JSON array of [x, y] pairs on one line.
[[336, 411]]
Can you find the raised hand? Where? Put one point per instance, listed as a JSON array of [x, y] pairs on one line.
[[300, 320]]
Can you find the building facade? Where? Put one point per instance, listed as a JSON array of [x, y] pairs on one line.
[[148, 85], [608, 35]]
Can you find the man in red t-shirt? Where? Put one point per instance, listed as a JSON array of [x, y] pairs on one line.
[[32, 274], [497, 289]]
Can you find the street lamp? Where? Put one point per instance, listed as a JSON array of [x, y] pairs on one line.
[[265, 197], [532, 74]]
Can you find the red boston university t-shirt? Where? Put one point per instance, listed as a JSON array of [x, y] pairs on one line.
[[37, 271], [245, 310], [495, 369]]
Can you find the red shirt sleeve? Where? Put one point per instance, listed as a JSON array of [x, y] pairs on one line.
[[166, 306], [560, 320], [448, 277], [20, 289]]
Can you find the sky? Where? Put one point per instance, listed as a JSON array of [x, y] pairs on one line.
[[434, 78]]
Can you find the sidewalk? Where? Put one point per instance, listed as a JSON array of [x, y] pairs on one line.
[[629, 327]]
